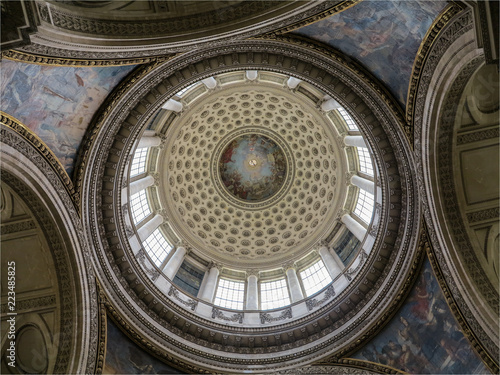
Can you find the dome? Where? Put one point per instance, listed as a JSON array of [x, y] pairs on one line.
[[253, 199]]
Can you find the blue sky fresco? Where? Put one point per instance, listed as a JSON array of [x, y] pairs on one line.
[[424, 337], [383, 35], [57, 103]]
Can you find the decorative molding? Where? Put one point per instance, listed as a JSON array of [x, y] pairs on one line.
[[34, 58], [351, 272], [483, 215], [289, 14], [423, 54], [477, 136], [32, 304], [19, 226], [342, 366], [329, 293], [64, 20], [266, 317], [103, 330], [191, 303], [26, 133], [237, 317], [151, 271]]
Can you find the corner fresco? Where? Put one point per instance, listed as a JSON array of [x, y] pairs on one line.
[[424, 338], [383, 35], [57, 103], [124, 357]]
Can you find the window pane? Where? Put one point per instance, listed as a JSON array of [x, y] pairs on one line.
[[365, 161], [315, 278], [139, 162], [157, 247], [364, 206], [274, 294], [139, 206], [189, 278], [348, 119], [230, 294]]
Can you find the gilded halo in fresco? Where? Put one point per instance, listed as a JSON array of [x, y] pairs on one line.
[[252, 167]]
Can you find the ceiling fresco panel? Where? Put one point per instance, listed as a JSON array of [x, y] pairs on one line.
[[57, 103], [383, 35], [424, 337]]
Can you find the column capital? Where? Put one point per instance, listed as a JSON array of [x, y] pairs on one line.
[[216, 265], [252, 272], [340, 214], [163, 212], [288, 265], [323, 243]]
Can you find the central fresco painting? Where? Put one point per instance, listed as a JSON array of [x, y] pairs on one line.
[[252, 167]]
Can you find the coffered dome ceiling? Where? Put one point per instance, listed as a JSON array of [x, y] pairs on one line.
[[252, 175]]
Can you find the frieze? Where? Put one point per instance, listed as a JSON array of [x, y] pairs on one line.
[[266, 317], [477, 136], [32, 304], [189, 303], [329, 293], [19, 226], [217, 313], [483, 215]]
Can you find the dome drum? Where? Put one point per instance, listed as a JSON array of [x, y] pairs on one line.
[[329, 326]]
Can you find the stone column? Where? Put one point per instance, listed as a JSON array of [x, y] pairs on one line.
[[294, 285], [149, 142], [354, 140], [363, 184], [174, 262], [333, 264], [252, 293], [149, 227], [356, 228], [138, 185], [210, 285]]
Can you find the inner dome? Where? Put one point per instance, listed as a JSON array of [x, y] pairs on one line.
[[252, 167]]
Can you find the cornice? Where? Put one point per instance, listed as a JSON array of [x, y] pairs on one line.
[[37, 59]]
